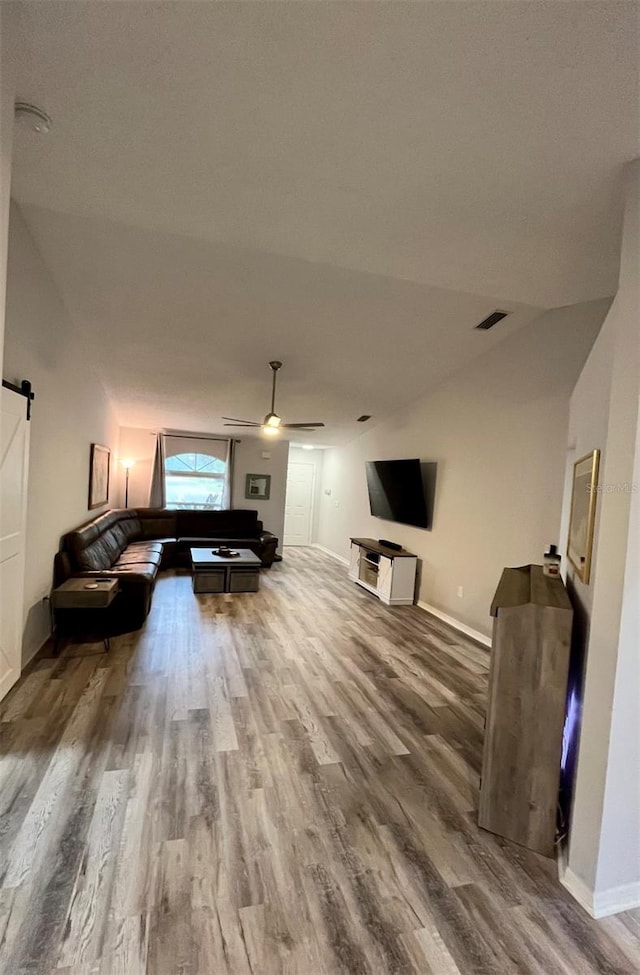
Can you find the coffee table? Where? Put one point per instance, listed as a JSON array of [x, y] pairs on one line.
[[218, 573]]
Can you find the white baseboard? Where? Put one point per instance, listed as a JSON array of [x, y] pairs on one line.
[[456, 624], [601, 903], [328, 551]]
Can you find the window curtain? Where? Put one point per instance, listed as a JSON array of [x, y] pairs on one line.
[[158, 494], [228, 487]]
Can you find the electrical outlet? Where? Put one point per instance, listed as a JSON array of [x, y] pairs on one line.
[[460, 592]]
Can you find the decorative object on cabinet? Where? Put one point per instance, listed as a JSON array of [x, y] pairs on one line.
[[583, 513], [533, 618], [98, 475]]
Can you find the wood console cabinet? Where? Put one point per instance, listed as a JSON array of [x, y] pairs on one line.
[[388, 574], [525, 716]]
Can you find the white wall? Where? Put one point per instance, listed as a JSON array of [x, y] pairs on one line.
[[314, 457], [604, 846], [71, 410], [498, 433], [8, 41], [249, 460], [139, 446]]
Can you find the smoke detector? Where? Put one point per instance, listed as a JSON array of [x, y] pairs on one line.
[[31, 117]]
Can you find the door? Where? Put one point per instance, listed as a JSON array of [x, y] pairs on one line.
[[298, 509], [14, 467]]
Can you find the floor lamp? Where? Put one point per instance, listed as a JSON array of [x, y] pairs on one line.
[[127, 464]]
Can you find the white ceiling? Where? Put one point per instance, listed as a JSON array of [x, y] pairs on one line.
[[348, 187]]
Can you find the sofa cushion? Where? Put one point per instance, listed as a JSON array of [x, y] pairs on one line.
[[129, 525], [120, 536], [137, 557], [236, 523], [136, 572], [142, 547], [98, 544], [94, 557], [157, 522]]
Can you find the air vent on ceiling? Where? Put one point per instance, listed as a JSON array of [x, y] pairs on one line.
[[364, 418], [492, 319]]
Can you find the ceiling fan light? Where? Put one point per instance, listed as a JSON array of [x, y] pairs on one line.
[[272, 420], [271, 431]]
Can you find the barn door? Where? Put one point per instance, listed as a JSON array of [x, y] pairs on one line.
[[14, 468]]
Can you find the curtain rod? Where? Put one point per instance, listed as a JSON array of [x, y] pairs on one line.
[[187, 436]]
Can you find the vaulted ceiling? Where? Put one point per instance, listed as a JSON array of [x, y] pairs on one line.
[[349, 187]]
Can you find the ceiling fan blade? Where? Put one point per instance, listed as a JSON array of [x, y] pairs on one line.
[[242, 426], [301, 426], [249, 423]]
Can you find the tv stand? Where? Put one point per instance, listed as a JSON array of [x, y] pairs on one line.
[[387, 573]]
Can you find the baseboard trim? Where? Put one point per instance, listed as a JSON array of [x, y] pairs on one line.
[[476, 635], [604, 903], [328, 551], [34, 653], [456, 624]]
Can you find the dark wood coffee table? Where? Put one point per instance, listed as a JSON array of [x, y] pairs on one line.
[[219, 573]]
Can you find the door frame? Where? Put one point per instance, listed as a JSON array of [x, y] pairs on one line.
[[312, 506]]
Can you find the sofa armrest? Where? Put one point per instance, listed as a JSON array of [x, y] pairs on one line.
[[269, 543]]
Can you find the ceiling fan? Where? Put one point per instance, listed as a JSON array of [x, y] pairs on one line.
[[272, 423]]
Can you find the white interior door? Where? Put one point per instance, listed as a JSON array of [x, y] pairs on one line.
[[298, 509], [14, 469]]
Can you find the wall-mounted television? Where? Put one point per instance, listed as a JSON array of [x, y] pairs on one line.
[[402, 491]]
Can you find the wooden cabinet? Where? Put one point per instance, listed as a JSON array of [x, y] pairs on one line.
[[388, 574], [525, 716]]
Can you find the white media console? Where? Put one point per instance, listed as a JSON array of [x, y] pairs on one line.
[[388, 573]]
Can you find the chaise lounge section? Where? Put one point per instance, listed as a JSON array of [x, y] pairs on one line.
[[133, 544]]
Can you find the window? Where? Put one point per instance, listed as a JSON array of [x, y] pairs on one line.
[[195, 481], [196, 472]]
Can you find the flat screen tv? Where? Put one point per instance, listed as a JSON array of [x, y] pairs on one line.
[[397, 491]]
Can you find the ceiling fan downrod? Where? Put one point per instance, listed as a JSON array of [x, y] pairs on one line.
[[275, 365]]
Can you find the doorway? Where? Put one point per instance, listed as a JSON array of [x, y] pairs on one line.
[[298, 510], [14, 468]]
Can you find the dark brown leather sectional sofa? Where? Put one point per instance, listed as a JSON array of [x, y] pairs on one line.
[[133, 544]]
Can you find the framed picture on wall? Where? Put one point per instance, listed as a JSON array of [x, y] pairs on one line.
[[99, 462], [257, 487], [583, 514]]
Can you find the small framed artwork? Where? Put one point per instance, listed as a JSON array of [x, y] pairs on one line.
[[99, 475], [583, 513], [258, 487]]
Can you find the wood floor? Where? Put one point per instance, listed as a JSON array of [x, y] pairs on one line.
[[278, 782]]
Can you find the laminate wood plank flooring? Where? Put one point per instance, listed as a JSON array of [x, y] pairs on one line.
[[272, 783]]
